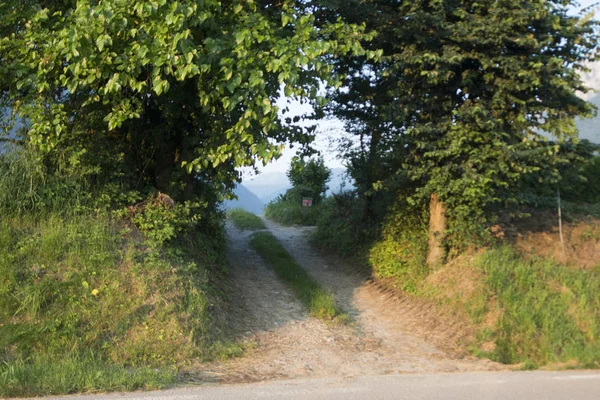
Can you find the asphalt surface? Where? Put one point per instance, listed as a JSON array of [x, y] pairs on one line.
[[536, 385]]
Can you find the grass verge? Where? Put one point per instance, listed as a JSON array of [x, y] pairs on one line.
[[291, 213], [547, 313], [319, 302], [75, 286], [77, 373], [522, 309], [246, 220]]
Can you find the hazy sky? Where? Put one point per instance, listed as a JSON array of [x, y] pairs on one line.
[[332, 129]]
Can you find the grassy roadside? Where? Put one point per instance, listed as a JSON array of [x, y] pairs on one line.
[[317, 300], [524, 307], [87, 305], [547, 313], [245, 220], [44, 375]]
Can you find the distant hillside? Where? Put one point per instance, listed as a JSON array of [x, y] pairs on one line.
[[268, 186], [590, 128], [246, 200], [339, 181]]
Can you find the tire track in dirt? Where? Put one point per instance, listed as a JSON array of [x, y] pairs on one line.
[[286, 342], [403, 325]]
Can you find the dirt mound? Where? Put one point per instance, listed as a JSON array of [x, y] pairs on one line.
[[539, 235]]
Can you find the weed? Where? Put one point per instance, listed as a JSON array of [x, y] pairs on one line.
[[319, 302], [245, 220], [549, 313], [72, 373]]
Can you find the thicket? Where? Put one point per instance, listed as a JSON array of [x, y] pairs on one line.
[[309, 181], [93, 298]]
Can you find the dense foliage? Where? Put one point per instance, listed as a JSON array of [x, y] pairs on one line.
[[458, 103], [309, 181], [169, 95]]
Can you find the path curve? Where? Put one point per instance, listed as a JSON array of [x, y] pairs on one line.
[[285, 342]]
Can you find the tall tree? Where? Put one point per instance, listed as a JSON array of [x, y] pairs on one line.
[[473, 84], [172, 94]]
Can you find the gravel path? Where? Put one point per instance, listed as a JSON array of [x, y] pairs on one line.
[[387, 336]]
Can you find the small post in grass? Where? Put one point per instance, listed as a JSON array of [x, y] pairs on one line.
[[560, 229]]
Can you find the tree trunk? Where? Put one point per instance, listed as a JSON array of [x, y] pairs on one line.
[[437, 226], [368, 212]]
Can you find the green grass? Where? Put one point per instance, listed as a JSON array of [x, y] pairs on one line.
[[292, 213], [549, 313], [77, 373], [71, 286], [317, 300], [245, 220]]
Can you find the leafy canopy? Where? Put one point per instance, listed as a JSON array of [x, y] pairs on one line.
[[309, 178], [461, 96], [143, 88]]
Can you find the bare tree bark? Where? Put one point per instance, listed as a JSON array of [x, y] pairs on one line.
[[437, 226]]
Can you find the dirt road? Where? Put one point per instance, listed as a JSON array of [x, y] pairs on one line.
[[387, 335]]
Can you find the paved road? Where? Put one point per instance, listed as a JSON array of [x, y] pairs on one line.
[[470, 386]]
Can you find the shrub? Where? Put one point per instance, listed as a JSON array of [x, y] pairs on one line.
[[340, 225], [288, 210], [401, 252]]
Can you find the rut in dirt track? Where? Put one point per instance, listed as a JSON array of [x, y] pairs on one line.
[[388, 336]]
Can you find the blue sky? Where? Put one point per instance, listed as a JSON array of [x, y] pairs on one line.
[[587, 3]]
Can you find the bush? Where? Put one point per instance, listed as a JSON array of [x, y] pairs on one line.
[[288, 210], [401, 252], [396, 248], [340, 225]]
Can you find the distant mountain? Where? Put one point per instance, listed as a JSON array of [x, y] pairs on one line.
[[246, 200], [339, 181], [270, 185], [590, 128]]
